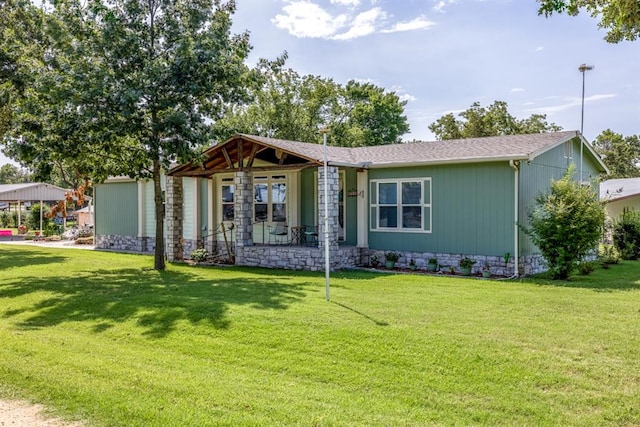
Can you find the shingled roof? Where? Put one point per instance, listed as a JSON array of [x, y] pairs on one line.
[[470, 150]]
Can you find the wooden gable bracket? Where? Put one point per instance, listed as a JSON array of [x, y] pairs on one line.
[[283, 156], [252, 156], [227, 157]]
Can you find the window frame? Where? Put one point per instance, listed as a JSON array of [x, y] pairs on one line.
[[426, 206]]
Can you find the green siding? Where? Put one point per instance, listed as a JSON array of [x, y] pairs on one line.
[[308, 193], [351, 208], [189, 201], [536, 176], [472, 208], [204, 204], [149, 210], [116, 208]]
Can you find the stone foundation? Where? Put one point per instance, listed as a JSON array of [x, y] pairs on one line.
[[296, 257], [146, 245]]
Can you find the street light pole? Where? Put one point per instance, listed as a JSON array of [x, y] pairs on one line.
[[583, 68]]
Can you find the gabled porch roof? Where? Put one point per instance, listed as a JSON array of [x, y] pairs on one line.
[[250, 152]]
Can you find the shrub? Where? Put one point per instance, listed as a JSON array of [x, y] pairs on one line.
[[626, 234], [585, 268], [466, 262], [566, 224], [608, 254], [391, 256], [199, 255], [33, 220]]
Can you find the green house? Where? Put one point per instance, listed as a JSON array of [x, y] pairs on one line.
[[263, 200]]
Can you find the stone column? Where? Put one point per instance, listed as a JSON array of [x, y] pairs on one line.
[[174, 218], [332, 197], [243, 200]]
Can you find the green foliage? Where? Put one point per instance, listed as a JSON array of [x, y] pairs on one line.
[[566, 224], [199, 255], [621, 18], [608, 254], [466, 262], [33, 219], [494, 120], [120, 88], [10, 174], [286, 105], [626, 234], [621, 154], [391, 256], [585, 268]]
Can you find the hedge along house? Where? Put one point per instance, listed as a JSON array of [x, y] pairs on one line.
[[443, 199]]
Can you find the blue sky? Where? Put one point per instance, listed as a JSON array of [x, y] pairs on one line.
[[442, 55]]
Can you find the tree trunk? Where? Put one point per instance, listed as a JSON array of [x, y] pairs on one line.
[[159, 208]]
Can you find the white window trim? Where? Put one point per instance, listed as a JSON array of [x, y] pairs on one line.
[[424, 181]]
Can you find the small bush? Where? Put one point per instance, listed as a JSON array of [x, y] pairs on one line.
[[585, 268], [199, 255], [626, 234], [608, 254], [566, 224]]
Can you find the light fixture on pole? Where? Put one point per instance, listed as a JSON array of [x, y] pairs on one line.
[[327, 267], [583, 68]]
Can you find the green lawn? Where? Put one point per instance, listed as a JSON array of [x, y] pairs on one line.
[[101, 337]]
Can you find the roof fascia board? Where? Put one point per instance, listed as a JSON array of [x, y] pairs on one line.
[[444, 162]]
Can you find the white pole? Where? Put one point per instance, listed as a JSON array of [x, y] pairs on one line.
[[326, 218], [582, 68]]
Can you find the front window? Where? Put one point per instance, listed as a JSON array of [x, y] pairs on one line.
[[227, 202], [401, 205], [270, 198]]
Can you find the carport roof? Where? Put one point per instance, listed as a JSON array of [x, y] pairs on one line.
[[33, 191]]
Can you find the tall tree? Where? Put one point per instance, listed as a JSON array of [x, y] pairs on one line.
[[493, 120], [621, 154], [126, 87], [10, 174], [621, 18], [289, 106]]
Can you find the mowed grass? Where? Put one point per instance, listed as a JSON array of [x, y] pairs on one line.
[[102, 337]]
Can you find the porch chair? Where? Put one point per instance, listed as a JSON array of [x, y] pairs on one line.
[[311, 235], [278, 234]]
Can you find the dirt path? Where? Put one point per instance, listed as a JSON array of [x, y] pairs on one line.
[[18, 413]]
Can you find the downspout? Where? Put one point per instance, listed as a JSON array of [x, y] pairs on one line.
[[516, 216]]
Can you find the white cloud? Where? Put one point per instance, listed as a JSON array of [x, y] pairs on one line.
[[442, 4], [419, 23], [304, 19], [352, 3], [539, 48], [363, 24], [517, 89], [570, 103], [407, 97]]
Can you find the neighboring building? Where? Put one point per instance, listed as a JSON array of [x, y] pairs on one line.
[[21, 195], [620, 194], [444, 199]]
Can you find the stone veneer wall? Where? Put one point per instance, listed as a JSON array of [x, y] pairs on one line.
[[528, 265], [174, 218], [126, 243], [299, 258]]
